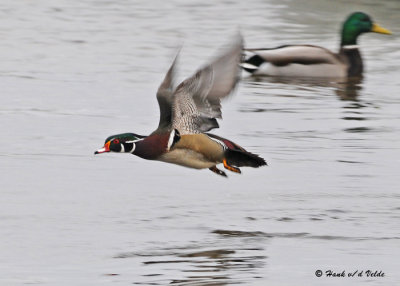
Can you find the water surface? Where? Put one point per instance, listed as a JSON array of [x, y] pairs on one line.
[[72, 73]]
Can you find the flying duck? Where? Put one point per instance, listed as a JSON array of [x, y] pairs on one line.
[[315, 61], [187, 112]]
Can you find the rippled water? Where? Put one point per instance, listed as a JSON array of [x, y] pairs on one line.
[[73, 73]]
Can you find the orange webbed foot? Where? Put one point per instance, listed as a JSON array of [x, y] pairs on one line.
[[231, 168]]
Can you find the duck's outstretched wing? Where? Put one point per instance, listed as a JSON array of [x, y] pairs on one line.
[[197, 100], [165, 94]]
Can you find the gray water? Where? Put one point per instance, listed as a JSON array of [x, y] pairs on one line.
[[74, 72]]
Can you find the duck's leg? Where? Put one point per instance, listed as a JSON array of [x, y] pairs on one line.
[[218, 171], [231, 168]]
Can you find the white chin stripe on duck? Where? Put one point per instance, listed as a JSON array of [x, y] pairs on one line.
[[128, 147]]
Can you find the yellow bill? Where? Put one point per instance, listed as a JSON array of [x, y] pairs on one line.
[[378, 29]]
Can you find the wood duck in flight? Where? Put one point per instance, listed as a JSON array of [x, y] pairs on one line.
[[187, 112]]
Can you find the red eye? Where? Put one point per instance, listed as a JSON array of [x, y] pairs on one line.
[[116, 141]]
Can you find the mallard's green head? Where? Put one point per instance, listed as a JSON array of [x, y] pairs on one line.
[[356, 24], [124, 142]]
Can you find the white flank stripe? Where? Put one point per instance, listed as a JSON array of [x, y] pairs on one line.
[[171, 139], [219, 142]]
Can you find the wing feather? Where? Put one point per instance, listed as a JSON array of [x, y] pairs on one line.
[[197, 100], [165, 95]]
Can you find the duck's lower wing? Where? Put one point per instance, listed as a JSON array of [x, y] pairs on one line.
[[295, 60]]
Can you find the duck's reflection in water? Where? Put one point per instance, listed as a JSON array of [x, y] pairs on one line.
[[345, 89], [227, 259], [349, 89]]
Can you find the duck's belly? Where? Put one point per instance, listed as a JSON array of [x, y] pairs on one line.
[[187, 158], [302, 70]]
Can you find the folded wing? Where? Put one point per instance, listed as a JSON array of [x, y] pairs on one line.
[[296, 54]]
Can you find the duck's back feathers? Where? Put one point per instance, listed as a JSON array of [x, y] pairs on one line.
[[300, 54], [294, 60]]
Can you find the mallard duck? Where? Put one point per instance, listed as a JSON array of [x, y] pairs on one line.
[[186, 114], [316, 61]]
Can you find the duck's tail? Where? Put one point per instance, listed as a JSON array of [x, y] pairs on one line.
[[240, 158], [252, 63], [237, 156]]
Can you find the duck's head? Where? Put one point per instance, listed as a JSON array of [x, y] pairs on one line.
[[148, 147], [356, 24], [121, 143]]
